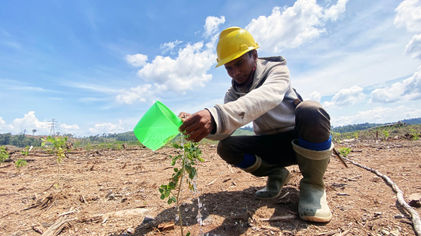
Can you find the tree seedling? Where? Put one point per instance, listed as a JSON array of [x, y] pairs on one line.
[[414, 133], [344, 151], [386, 134], [4, 155], [26, 150], [20, 163], [185, 167], [56, 146]]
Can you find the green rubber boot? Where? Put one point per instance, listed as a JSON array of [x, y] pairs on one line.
[[312, 205], [277, 178]]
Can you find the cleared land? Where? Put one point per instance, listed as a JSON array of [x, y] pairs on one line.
[[115, 192]]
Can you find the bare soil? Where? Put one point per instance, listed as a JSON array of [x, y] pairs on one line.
[[106, 192]]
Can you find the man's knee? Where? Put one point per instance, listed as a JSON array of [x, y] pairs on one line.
[[226, 152], [312, 122]]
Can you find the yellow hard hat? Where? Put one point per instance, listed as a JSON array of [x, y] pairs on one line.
[[233, 43]]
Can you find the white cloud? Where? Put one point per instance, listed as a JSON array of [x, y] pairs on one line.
[[315, 96], [3, 126], [408, 14], [363, 69], [183, 73], [68, 129], [30, 122], [293, 26], [413, 48], [335, 11], [92, 87], [378, 115], [169, 47], [140, 93], [137, 60], [408, 89], [108, 127], [212, 23], [348, 96]]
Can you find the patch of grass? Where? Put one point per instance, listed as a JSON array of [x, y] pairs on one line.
[[20, 163], [344, 151], [4, 155]]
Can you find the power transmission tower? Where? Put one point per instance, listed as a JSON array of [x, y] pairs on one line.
[[53, 127]]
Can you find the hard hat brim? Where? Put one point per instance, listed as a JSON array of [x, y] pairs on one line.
[[235, 56]]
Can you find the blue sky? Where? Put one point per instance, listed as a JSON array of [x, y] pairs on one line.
[[97, 66]]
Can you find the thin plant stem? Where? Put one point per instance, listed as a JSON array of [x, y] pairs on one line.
[[179, 191], [178, 198]]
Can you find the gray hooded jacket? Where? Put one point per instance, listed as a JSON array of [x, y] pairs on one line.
[[268, 102]]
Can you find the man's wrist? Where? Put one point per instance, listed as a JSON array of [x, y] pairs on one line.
[[213, 123]]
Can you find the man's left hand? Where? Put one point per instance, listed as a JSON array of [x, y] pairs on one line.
[[197, 126]]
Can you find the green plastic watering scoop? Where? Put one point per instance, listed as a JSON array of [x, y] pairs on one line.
[[157, 126]]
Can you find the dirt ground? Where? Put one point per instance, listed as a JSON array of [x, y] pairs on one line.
[[106, 192]]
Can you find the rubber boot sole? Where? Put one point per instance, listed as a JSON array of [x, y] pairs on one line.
[[317, 219]]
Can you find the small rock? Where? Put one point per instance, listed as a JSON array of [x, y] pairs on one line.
[[399, 216], [376, 214], [110, 196], [385, 232], [415, 200], [130, 230], [395, 232], [147, 219]]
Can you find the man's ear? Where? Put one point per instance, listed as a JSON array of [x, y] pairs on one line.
[[254, 54]]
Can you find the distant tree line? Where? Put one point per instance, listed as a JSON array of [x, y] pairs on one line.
[[357, 127], [19, 140], [414, 121], [124, 137]]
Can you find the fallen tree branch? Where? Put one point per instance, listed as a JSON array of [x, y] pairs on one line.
[[279, 218], [58, 226], [339, 157], [416, 223]]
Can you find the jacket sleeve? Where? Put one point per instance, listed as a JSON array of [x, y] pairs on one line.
[[229, 97], [234, 114]]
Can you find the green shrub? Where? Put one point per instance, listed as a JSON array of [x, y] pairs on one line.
[[4, 155], [344, 151], [20, 163]]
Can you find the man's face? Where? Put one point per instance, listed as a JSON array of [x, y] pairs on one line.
[[240, 69]]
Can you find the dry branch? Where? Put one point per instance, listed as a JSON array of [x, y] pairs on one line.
[[57, 227], [279, 218], [122, 213], [416, 223], [339, 157]]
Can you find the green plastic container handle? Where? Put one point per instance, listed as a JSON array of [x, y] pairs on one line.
[[157, 126]]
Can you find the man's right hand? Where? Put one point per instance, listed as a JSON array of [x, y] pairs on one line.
[[196, 126], [183, 116]]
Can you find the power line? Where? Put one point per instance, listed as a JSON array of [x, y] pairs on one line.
[[53, 127]]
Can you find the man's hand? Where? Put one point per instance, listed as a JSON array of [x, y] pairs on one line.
[[196, 126]]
